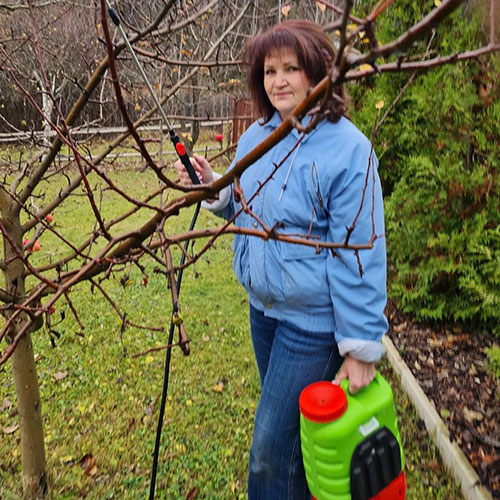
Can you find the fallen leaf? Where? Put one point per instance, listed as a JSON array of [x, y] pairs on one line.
[[433, 465], [218, 387], [444, 413], [60, 375], [205, 338], [434, 342], [6, 405], [10, 429], [193, 493], [401, 326], [88, 464], [285, 10], [471, 415]]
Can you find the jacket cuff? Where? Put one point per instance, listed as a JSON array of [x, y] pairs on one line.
[[222, 201], [368, 351]]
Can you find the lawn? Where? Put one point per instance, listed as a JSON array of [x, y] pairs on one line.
[[100, 403]]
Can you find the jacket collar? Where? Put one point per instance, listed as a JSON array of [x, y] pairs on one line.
[[276, 121]]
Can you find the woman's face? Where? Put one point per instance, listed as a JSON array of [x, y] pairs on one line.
[[285, 82]]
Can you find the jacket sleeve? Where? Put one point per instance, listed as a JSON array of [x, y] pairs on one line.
[[218, 206], [358, 283], [224, 206]]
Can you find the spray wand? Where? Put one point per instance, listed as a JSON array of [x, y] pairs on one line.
[[184, 157], [179, 147]]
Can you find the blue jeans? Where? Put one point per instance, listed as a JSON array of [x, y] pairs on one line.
[[288, 360]]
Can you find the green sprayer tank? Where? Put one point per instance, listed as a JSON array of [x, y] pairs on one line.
[[350, 443]]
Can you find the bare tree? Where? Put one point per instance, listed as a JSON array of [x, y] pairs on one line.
[[193, 38]]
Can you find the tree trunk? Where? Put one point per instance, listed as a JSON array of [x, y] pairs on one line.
[[30, 420], [34, 473]]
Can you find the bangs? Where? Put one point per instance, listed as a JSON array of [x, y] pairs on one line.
[[275, 42]]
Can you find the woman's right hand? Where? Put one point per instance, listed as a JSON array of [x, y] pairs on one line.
[[202, 168]]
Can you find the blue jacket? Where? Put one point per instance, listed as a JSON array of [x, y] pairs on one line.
[[323, 181]]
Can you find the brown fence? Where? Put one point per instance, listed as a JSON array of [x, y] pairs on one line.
[[243, 117]]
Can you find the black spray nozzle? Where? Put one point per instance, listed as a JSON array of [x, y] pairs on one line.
[[114, 16]]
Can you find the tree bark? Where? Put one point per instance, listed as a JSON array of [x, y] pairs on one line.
[[35, 483]]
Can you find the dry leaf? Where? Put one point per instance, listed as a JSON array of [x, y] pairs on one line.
[[11, 429], [433, 465], [471, 415], [88, 464], [321, 6], [218, 387], [401, 326], [434, 342], [365, 67], [6, 405], [60, 375], [285, 10], [193, 493], [205, 338]]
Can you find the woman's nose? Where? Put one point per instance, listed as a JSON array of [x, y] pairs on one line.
[[281, 80]]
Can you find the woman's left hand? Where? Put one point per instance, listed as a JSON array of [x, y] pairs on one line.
[[359, 373]]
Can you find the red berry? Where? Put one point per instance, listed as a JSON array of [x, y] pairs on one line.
[[219, 137], [49, 218], [36, 246]]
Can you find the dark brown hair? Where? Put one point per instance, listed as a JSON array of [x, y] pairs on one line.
[[314, 51]]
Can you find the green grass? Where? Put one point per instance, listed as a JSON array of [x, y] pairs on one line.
[[106, 402]]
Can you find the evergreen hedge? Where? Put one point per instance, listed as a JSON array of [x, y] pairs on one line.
[[439, 153]]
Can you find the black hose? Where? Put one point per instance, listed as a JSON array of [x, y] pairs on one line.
[[166, 376]]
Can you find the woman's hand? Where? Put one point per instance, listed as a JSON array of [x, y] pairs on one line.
[[201, 167], [359, 373]]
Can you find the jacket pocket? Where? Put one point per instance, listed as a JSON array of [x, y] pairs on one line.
[[304, 275]]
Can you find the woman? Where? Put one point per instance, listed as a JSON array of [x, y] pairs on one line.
[[310, 312]]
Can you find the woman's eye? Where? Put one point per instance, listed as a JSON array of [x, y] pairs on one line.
[[269, 71], [293, 68]]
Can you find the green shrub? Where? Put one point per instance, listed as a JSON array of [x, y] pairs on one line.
[[439, 156], [493, 366]]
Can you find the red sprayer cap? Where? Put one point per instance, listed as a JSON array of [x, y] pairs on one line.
[[322, 402]]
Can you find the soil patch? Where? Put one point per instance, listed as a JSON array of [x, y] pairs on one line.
[[450, 367]]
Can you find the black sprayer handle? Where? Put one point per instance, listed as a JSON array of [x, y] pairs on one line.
[[183, 156]]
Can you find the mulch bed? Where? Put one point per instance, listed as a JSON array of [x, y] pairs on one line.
[[450, 367]]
